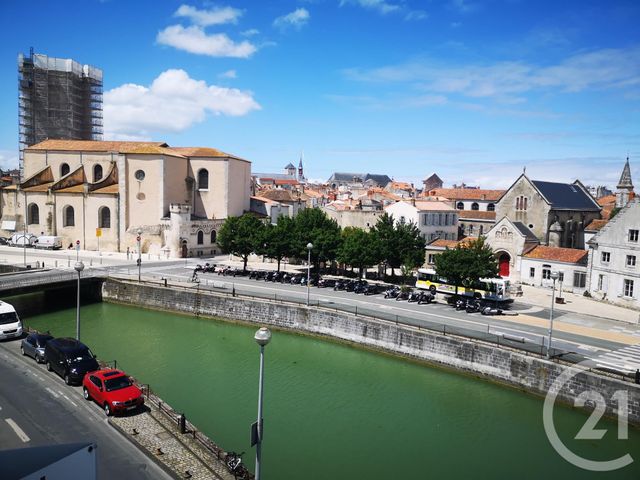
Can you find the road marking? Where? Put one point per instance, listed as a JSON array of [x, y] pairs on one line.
[[70, 401], [19, 432], [52, 392]]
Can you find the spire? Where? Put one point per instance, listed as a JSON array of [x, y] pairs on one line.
[[300, 170], [625, 179]]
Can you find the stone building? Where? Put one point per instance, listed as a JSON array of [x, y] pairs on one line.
[[537, 264], [73, 188], [434, 219], [556, 213], [614, 273]]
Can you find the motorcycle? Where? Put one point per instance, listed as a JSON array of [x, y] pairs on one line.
[[425, 297], [392, 292], [360, 287], [403, 295], [198, 268], [414, 297], [461, 304], [491, 311], [473, 305]]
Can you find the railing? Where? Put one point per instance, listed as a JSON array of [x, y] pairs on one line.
[[484, 333]]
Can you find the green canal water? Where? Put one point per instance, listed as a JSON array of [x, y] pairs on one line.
[[336, 412]]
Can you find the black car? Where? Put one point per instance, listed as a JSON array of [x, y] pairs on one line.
[[33, 345], [70, 359]]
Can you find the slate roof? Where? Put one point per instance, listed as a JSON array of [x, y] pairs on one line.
[[557, 254], [524, 230], [566, 196], [381, 180]]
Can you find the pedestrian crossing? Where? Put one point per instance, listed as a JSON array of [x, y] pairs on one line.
[[626, 359]]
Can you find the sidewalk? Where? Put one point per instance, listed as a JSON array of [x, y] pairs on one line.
[[579, 304]]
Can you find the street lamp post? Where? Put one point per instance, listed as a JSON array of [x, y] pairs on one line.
[[24, 240], [138, 238], [262, 337], [309, 247], [78, 267], [554, 277]]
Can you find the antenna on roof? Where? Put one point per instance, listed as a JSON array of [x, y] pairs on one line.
[[524, 170]]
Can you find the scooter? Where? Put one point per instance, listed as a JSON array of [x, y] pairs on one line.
[[461, 304], [403, 295], [473, 306], [425, 297], [392, 292], [491, 311], [414, 297], [233, 461], [198, 268]]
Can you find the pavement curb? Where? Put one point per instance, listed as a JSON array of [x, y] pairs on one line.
[[146, 452]]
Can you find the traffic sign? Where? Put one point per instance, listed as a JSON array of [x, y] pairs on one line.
[[98, 232], [138, 238], [77, 242]]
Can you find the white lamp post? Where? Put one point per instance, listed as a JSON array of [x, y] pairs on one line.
[[78, 267], [262, 337], [138, 238], [554, 277], [309, 247]]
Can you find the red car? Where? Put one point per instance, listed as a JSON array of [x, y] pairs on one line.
[[113, 390]]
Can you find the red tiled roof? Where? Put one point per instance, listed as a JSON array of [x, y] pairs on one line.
[[476, 214], [467, 194], [441, 242], [596, 225], [607, 200], [557, 254]]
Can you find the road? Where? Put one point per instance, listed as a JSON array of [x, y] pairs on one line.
[[531, 324], [37, 408]]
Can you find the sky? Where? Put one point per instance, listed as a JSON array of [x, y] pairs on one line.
[[475, 91]]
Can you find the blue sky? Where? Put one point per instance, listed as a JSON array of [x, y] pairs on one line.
[[471, 90]]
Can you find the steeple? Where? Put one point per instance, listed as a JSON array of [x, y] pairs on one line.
[[300, 169], [625, 178], [625, 186]]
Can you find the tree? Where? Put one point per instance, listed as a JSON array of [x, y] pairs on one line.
[[400, 243], [467, 263], [313, 225], [275, 240], [359, 249], [240, 236]]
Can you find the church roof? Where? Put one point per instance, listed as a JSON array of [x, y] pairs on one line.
[[289, 165], [524, 230], [625, 178], [566, 196]]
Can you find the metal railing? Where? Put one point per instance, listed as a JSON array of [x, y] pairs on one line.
[[484, 333]]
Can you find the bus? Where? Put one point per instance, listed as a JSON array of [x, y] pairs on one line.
[[491, 289]]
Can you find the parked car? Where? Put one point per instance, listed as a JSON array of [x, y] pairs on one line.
[[10, 324], [33, 345], [69, 358], [22, 240], [113, 390]]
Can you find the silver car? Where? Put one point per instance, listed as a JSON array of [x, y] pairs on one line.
[[33, 345]]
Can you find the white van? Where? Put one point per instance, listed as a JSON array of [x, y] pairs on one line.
[[10, 324], [22, 239], [48, 241]]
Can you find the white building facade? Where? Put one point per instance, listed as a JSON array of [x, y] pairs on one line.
[[434, 219]]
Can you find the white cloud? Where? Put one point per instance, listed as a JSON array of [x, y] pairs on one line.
[[296, 19], [379, 5], [172, 103], [214, 16], [193, 39], [8, 159], [416, 15], [509, 81], [250, 33], [228, 74]]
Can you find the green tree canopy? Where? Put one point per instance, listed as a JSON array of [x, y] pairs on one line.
[[400, 243], [467, 263], [359, 248], [276, 241], [240, 236], [313, 225]]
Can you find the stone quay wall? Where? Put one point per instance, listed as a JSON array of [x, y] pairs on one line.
[[529, 373]]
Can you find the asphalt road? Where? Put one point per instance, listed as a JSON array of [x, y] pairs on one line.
[[37, 408], [436, 315]]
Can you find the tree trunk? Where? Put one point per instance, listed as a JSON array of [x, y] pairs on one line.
[[279, 263], [245, 259]]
